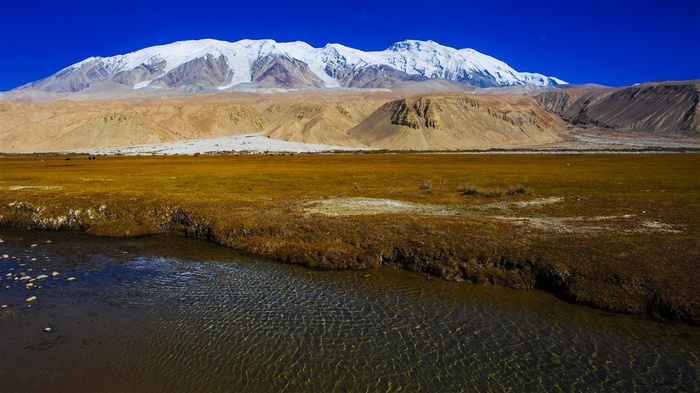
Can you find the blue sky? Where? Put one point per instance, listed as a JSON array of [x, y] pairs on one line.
[[613, 42]]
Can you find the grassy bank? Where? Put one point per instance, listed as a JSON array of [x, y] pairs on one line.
[[618, 232]]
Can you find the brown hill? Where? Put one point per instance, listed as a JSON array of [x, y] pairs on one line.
[[383, 119], [70, 125], [380, 119], [458, 121], [670, 108]]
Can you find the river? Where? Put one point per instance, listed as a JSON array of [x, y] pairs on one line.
[[162, 313]]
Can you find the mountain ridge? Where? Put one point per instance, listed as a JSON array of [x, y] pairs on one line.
[[358, 120], [207, 65], [648, 116], [667, 108]]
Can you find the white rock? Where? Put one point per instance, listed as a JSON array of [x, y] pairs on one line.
[[5, 256], [25, 278], [42, 277], [55, 274], [34, 245], [71, 278], [30, 285], [3, 306], [48, 330], [31, 299]]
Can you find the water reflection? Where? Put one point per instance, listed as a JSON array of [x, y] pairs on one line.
[[169, 314]]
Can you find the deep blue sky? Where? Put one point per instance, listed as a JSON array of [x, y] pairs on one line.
[[611, 42]]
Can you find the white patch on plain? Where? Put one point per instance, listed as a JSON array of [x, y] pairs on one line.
[[20, 188]]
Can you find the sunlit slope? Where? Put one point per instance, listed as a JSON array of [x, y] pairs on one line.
[[382, 120], [459, 121]]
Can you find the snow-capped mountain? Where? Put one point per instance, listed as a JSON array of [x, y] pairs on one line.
[[209, 65]]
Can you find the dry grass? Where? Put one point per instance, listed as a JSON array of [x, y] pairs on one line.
[[618, 232]]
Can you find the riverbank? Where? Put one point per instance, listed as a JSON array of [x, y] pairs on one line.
[[616, 232]]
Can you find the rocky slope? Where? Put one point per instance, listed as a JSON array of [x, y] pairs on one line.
[[381, 120], [671, 108], [653, 115], [211, 65], [458, 121]]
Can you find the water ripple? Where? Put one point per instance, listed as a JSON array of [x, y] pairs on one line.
[[154, 321]]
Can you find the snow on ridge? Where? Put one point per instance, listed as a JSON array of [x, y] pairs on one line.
[[414, 57]]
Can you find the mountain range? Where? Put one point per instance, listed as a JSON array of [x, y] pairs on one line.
[[201, 66], [415, 95]]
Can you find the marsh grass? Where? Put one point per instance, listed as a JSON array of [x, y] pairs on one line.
[[255, 204]]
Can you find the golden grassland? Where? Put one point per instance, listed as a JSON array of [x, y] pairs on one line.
[[618, 232]]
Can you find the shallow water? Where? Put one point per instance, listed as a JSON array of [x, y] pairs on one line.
[[171, 314]]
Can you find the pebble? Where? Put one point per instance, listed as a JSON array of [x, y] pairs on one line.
[[2, 241], [55, 274], [48, 330], [31, 299], [42, 277], [34, 245], [29, 286], [5, 256], [33, 259], [71, 278], [48, 241], [3, 306], [26, 278]]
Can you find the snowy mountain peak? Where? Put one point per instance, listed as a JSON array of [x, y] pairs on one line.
[[209, 64], [417, 45]]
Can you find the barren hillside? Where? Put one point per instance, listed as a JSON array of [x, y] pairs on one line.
[[458, 121], [426, 122], [670, 108], [666, 113], [322, 118]]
